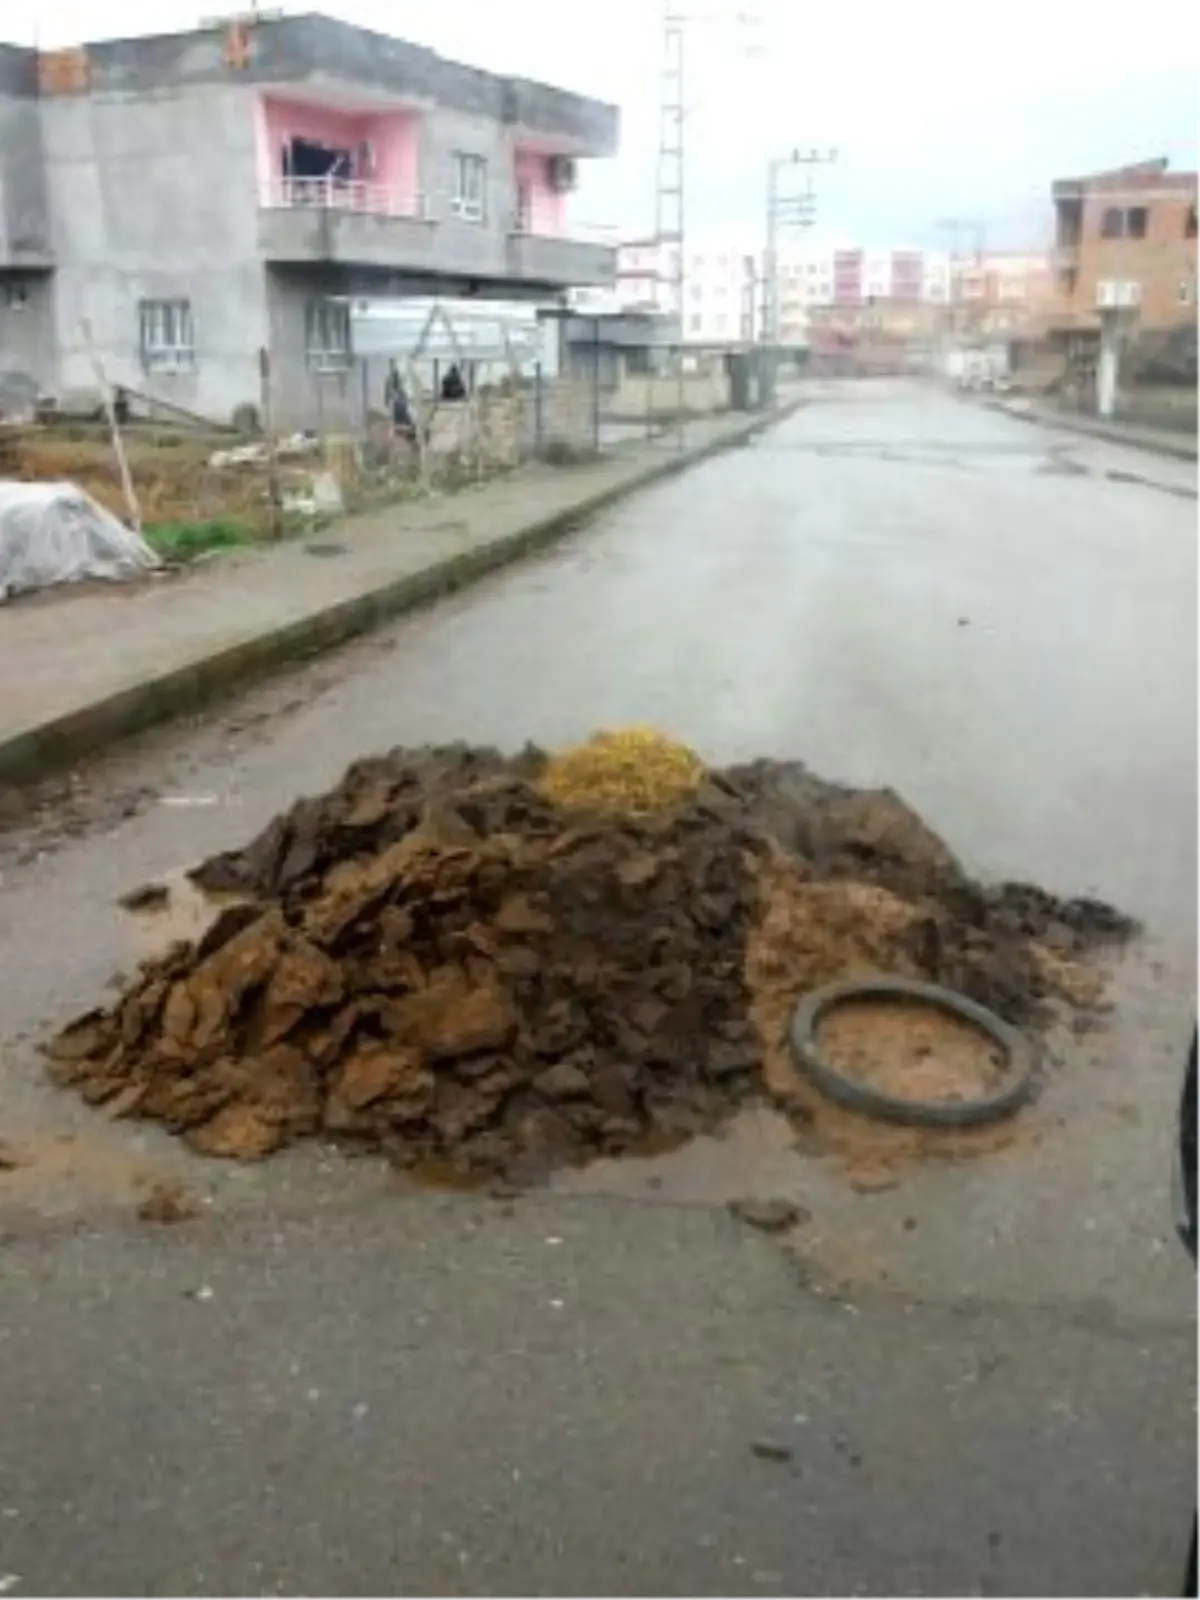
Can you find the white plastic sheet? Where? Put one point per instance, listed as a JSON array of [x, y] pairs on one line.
[[55, 533]]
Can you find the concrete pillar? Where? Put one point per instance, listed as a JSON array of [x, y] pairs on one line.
[[1107, 367]]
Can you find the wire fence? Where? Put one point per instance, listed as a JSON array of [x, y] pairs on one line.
[[385, 422]]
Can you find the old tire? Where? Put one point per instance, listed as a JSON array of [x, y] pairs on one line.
[[1016, 1088]]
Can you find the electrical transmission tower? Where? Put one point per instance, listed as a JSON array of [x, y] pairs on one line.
[[668, 186], [669, 170], [670, 167]]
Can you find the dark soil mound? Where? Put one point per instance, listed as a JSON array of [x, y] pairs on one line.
[[437, 960], [495, 986], [377, 803]]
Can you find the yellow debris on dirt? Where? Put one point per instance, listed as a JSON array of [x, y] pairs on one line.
[[632, 770]]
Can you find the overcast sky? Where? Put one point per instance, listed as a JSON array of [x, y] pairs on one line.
[[938, 109]]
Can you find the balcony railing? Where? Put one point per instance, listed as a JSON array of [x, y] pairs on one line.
[[596, 233], [345, 219], [380, 200], [343, 194]]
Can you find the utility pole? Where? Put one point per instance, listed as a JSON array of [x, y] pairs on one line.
[[956, 227], [749, 285], [783, 210]]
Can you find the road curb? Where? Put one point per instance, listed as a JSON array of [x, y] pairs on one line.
[[39, 752], [1185, 450]]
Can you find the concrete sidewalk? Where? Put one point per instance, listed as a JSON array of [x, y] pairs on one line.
[[1160, 441], [85, 668]]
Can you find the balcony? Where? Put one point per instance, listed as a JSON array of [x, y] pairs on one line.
[[25, 254], [306, 220], [581, 259]]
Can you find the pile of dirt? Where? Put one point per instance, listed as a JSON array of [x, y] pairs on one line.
[[455, 959], [452, 968], [872, 890]]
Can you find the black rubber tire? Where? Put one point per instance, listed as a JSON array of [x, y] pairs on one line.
[[1017, 1088]]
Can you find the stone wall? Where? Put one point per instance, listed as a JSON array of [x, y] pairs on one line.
[[510, 424], [658, 395]]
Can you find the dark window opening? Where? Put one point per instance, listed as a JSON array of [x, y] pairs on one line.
[[304, 158], [1189, 227], [1119, 224]]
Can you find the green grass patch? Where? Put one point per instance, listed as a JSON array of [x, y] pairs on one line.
[[184, 541]]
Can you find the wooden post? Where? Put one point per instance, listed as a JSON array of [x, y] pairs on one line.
[[110, 411], [274, 494]]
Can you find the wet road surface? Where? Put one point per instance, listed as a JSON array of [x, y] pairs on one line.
[[984, 1377]]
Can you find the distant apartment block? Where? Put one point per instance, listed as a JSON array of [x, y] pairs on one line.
[[1135, 226], [173, 204], [722, 300], [997, 294]]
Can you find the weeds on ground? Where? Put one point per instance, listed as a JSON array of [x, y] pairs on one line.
[[184, 541]]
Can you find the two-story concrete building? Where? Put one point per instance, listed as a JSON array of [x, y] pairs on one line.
[[171, 205]]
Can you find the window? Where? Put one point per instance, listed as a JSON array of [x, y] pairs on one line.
[[1189, 227], [695, 291], [167, 341], [1187, 292], [1118, 224], [327, 335], [695, 323], [470, 187]]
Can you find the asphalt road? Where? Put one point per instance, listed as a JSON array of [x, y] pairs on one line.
[[980, 1382]]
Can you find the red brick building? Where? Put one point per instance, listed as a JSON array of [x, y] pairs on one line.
[[1136, 224]]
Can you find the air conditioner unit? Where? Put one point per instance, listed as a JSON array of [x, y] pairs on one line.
[[561, 173], [1118, 294]]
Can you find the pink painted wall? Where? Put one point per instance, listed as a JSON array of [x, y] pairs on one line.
[[547, 210], [395, 136]]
